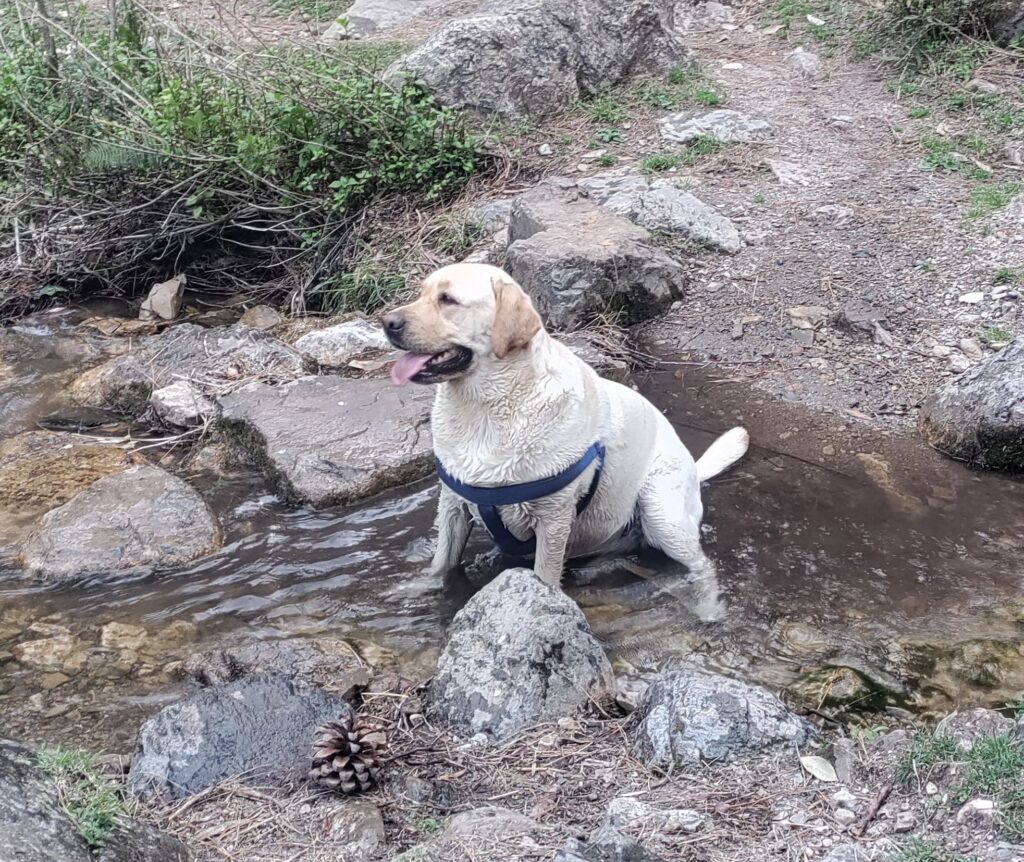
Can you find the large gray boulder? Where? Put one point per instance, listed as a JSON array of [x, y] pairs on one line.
[[979, 416], [330, 440], [661, 205], [35, 828], [213, 360], [520, 652], [142, 518], [259, 726], [578, 260], [532, 58], [689, 716]]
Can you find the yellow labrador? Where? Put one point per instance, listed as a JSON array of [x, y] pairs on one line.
[[516, 412]]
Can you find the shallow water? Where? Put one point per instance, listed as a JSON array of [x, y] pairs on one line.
[[835, 547]]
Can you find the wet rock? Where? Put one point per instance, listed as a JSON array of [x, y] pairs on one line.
[[966, 728], [1006, 20], [661, 205], [356, 830], [356, 437], [335, 346], [577, 260], [35, 828], [533, 58], [606, 844], [182, 404], [141, 518], [979, 416], [835, 686], [217, 358], [804, 63], [629, 813], [40, 470], [501, 672], [724, 126], [56, 650], [489, 829], [605, 365], [261, 317], [323, 661], [689, 716], [164, 300], [123, 636], [260, 726]]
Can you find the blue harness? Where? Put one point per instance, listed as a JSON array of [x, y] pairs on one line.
[[487, 500]]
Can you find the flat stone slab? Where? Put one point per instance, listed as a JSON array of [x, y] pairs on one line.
[[332, 440], [724, 126], [213, 360], [142, 518], [661, 205]]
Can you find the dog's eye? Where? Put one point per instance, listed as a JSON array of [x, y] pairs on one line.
[[447, 299]]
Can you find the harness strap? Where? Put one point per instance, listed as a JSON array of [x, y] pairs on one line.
[[487, 499]]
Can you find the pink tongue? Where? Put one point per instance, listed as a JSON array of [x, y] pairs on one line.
[[407, 367]]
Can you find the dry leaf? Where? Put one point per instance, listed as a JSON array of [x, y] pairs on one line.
[[819, 767]]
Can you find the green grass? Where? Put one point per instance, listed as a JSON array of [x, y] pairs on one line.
[[940, 154], [429, 825], [759, 199], [927, 751], [993, 768], [1008, 276], [454, 237], [313, 10], [608, 136], [919, 113], [995, 335], [605, 160], [700, 148], [988, 199], [94, 803], [605, 108], [917, 850], [902, 88], [659, 163]]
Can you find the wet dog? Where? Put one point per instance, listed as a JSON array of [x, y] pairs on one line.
[[516, 412]]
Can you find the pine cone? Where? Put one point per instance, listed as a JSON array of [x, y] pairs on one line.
[[346, 753]]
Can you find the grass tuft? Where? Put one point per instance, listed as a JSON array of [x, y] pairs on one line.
[[988, 199], [94, 803]]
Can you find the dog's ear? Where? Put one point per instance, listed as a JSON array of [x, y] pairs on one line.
[[515, 319]]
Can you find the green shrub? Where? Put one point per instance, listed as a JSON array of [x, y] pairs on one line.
[[267, 158], [93, 802]]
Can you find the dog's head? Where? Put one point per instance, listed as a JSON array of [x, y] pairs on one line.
[[466, 314]]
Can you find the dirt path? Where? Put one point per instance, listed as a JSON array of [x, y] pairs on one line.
[[896, 241]]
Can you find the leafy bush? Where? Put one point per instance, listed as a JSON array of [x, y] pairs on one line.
[[133, 160]]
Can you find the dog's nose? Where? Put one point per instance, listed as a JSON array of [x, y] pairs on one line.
[[394, 323]]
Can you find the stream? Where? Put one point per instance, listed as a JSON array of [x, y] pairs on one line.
[[839, 549]]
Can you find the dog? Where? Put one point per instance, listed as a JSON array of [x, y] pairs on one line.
[[552, 457]]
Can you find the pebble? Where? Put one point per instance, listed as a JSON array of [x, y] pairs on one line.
[[545, 150], [959, 363], [971, 348], [845, 817], [931, 788], [828, 450], [973, 298], [843, 798], [905, 821], [983, 807]]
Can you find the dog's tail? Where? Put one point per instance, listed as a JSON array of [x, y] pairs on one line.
[[723, 453]]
